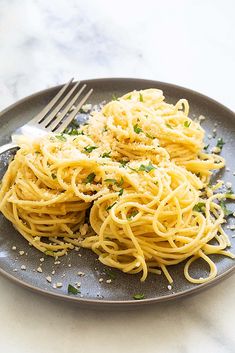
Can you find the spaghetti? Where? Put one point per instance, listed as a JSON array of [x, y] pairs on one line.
[[139, 169]]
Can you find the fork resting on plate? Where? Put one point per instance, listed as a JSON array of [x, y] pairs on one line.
[[55, 116]]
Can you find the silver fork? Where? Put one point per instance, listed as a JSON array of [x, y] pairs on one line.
[[55, 116]]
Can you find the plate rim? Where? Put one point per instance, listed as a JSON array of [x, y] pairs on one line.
[[120, 303], [172, 85], [99, 303]]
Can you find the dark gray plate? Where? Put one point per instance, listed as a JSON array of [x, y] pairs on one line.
[[121, 290]]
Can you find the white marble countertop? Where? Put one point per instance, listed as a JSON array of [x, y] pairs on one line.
[[189, 43]]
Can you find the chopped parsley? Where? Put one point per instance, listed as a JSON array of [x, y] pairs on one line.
[[72, 290], [53, 175], [115, 182], [129, 97], [61, 137], [110, 273], [37, 152], [90, 178], [89, 149], [123, 163], [80, 132], [114, 97], [109, 207], [206, 147], [220, 143], [146, 168], [120, 192], [120, 183], [224, 208], [169, 126], [137, 129], [187, 123], [106, 154], [74, 132], [199, 207], [141, 97], [132, 214], [138, 296]]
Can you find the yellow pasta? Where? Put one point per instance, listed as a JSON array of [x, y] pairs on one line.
[[139, 169]]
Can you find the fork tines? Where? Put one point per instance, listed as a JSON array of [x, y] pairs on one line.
[[63, 108]]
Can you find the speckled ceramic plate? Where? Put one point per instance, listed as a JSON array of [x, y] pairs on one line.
[[123, 286]]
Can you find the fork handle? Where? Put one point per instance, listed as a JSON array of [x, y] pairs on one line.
[[7, 147]]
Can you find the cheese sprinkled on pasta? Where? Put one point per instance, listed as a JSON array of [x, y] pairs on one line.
[[139, 169]]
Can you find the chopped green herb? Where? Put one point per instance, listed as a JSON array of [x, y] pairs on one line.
[[224, 208], [106, 154], [74, 132], [210, 185], [113, 181], [133, 214], [53, 176], [123, 163], [199, 207], [90, 178], [49, 253], [61, 137], [105, 129], [120, 183], [129, 97], [220, 143], [187, 123], [80, 132], [137, 129], [110, 273], [89, 149], [114, 97], [138, 296], [120, 192], [109, 207], [146, 168], [206, 147], [37, 152], [141, 97], [72, 290], [168, 125], [150, 136]]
